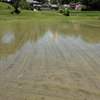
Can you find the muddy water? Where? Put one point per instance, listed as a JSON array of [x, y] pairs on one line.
[[49, 60]]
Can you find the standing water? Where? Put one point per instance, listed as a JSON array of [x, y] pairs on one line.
[[49, 60]]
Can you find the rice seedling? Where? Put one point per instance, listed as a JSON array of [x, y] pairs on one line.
[[38, 90], [6, 85], [43, 71], [52, 73], [7, 96], [34, 99], [42, 74], [21, 88], [25, 98], [32, 66], [62, 72]]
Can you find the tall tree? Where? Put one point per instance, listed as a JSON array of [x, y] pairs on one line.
[[92, 4], [43, 1]]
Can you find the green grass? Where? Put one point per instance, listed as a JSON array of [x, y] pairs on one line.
[[49, 15], [87, 17], [5, 6], [85, 13]]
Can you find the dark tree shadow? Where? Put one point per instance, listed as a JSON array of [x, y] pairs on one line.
[[17, 11]]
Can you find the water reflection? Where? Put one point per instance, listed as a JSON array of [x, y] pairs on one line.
[[49, 58], [8, 37], [14, 34]]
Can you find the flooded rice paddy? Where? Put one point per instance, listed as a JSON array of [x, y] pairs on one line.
[[49, 60]]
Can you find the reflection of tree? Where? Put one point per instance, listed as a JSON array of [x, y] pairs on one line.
[[33, 30]]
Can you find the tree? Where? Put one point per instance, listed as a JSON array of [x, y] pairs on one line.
[[24, 4], [91, 4], [16, 5], [21, 3], [43, 1]]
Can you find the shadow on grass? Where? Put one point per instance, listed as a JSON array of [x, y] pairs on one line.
[[17, 11]]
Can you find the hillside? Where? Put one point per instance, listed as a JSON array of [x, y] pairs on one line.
[[5, 6]]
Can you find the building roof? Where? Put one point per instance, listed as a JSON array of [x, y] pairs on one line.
[[65, 5], [54, 5], [32, 1], [46, 4]]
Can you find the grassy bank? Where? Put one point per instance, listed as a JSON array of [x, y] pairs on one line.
[[89, 17], [75, 15]]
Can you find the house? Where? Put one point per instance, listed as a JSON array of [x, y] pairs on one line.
[[45, 7], [54, 7], [34, 3], [76, 6], [66, 6]]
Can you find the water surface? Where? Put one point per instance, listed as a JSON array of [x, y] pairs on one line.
[[50, 60]]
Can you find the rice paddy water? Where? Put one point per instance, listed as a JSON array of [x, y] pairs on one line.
[[49, 60]]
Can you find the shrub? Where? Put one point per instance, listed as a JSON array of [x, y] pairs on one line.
[[84, 8], [66, 12], [12, 12], [61, 10], [37, 8]]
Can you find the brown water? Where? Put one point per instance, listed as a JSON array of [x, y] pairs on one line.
[[49, 60]]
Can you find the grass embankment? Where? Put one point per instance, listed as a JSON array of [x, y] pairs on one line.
[[87, 17], [5, 6]]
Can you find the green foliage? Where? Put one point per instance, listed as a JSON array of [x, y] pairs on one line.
[[61, 9], [91, 4], [53, 1], [84, 8], [16, 5], [25, 98], [24, 4], [43, 1], [64, 10], [37, 8], [71, 2]]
